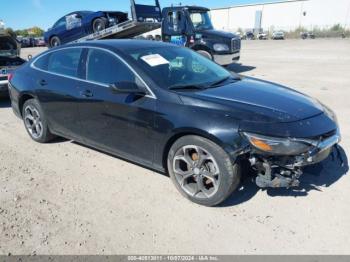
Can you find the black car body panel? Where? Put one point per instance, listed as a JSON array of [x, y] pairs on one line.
[[261, 101], [142, 128]]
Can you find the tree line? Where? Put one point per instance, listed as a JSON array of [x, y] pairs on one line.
[[34, 32]]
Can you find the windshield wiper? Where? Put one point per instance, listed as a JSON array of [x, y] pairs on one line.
[[186, 87], [218, 83]]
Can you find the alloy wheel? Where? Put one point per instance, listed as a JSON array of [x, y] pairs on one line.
[[98, 26], [33, 122], [196, 171]]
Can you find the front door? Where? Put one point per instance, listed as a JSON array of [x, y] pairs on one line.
[[119, 123], [74, 28]]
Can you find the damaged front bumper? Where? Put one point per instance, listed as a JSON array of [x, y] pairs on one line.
[[284, 171]]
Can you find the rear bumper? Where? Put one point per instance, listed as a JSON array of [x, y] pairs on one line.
[[227, 59], [13, 94]]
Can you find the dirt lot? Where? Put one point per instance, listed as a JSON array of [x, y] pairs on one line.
[[64, 198]]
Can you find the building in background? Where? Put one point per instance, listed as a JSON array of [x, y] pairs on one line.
[[285, 15]]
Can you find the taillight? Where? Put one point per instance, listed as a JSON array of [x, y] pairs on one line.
[[9, 77]]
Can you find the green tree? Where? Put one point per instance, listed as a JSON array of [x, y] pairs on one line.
[[36, 31], [23, 33]]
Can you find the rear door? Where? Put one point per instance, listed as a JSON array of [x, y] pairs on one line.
[[120, 123], [58, 89]]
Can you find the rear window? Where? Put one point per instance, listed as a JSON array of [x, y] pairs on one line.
[[42, 62], [63, 62]]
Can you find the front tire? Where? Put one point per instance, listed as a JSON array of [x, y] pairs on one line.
[[205, 54], [98, 25], [202, 171], [35, 122]]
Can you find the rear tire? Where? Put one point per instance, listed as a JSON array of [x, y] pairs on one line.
[[202, 171], [35, 122], [98, 25], [55, 41]]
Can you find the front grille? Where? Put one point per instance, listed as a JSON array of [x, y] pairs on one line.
[[3, 78], [235, 44]]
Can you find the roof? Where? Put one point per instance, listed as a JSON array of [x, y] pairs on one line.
[[262, 3], [121, 44], [190, 7]]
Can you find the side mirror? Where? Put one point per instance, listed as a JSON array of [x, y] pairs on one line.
[[127, 88], [30, 57]]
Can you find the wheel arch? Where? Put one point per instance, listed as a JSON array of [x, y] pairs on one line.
[[202, 47], [188, 132], [22, 99], [102, 17], [50, 38]]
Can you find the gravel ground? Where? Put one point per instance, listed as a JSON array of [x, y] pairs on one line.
[[64, 198]]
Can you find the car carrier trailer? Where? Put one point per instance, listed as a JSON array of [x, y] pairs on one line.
[[145, 18]]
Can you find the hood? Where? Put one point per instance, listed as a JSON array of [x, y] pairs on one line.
[[214, 34], [255, 100], [9, 46]]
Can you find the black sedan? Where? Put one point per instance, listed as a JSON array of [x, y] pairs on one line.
[[170, 109]]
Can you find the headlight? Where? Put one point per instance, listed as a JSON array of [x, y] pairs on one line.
[[279, 146], [221, 47]]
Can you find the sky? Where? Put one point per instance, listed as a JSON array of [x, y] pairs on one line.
[[24, 14]]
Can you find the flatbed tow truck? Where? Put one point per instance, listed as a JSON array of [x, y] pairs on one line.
[[188, 26], [145, 18]]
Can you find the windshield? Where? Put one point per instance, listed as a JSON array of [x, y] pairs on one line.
[[173, 66], [201, 20]]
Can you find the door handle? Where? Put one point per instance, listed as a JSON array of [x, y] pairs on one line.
[[42, 82], [87, 93]]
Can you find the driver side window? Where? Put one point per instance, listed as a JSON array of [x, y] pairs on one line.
[[61, 22], [197, 19], [105, 68]]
